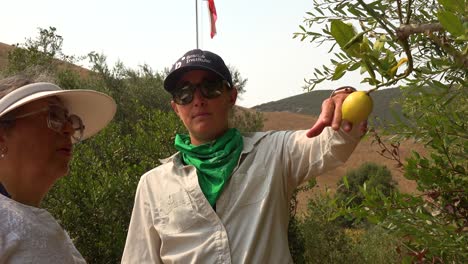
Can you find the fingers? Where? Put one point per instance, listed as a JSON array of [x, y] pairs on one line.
[[316, 129], [363, 127], [337, 118], [347, 126], [324, 120], [336, 122]]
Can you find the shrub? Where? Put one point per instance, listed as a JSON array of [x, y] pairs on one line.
[[377, 246], [324, 239], [370, 174]]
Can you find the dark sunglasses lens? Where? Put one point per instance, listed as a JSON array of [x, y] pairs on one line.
[[211, 89], [184, 95]]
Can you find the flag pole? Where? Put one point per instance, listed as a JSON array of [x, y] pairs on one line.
[[196, 20]]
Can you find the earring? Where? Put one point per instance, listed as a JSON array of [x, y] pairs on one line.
[[3, 151]]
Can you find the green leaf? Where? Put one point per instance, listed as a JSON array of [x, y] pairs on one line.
[[319, 10], [346, 37], [339, 71], [453, 5], [342, 32], [378, 45], [369, 68], [357, 39], [355, 66], [451, 23], [345, 181]]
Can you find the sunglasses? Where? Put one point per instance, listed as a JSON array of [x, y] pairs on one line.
[[57, 118], [210, 89]]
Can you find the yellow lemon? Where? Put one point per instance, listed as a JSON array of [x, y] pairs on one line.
[[357, 107]]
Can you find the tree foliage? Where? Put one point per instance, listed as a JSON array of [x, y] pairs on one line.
[[43, 53], [396, 40], [421, 46]]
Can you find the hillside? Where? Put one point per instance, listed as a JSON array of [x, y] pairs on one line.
[[4, 49], [310, 103]]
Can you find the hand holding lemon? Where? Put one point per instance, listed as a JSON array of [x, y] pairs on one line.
[[355, 107]]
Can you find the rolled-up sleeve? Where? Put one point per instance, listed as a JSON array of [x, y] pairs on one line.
[[308, 157], [143, 242]]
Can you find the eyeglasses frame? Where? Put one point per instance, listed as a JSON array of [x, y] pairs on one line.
[[81, 127]]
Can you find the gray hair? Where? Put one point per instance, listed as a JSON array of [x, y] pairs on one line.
[[9, 84]]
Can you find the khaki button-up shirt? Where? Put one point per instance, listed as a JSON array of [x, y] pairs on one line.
[[172, 222]]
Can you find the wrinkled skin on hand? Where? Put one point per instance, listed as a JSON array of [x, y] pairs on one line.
[[331, 116]]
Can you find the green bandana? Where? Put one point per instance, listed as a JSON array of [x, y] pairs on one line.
[[214, 161]]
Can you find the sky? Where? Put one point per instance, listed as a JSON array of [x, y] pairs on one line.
[[253, 36]]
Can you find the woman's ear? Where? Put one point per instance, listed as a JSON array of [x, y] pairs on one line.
[[174, 107], [233, 96]]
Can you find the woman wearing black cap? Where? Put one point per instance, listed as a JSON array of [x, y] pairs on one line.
[[39, 122], [224, 197]]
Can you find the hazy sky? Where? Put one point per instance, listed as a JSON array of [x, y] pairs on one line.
[[255, 36]]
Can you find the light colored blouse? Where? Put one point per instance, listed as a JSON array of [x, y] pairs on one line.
[[31, 235]]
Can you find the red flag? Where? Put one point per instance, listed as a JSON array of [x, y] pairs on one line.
[[213, 17]]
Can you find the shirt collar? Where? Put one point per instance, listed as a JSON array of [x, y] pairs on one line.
[[250, 140]]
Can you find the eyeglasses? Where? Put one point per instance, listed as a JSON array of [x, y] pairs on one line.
[[209, 89], [57, 118]]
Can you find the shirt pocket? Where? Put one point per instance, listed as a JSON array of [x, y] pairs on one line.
[[175, 213], [250, 185]]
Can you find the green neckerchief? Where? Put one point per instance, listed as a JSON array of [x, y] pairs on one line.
[[214, 161]]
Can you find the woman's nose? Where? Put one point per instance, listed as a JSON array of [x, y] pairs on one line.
[[198, 98], [67, 127]]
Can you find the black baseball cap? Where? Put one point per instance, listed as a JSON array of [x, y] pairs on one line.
[[197, 60]]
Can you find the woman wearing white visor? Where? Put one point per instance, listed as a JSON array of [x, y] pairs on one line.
[[39, 123]]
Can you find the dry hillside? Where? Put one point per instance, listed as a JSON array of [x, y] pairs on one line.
[[365, 152], [5, 49]]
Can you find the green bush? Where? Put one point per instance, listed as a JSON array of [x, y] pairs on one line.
[[369, 176], [372, 175], [295, 234], [325, 241], [377, 246], [246, 120], [320, 237]]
